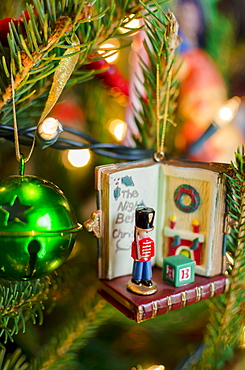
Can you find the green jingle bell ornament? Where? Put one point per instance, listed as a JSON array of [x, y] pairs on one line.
[[37, 227]]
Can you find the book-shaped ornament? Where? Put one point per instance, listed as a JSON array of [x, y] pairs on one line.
[[189, 202]]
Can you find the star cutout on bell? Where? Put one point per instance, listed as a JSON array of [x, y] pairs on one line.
[[15, 211]]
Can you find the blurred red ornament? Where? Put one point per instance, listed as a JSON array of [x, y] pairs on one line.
[[4, 29], [111, 76], [98, 64], [68, 112], [27, 15], [4, 26]]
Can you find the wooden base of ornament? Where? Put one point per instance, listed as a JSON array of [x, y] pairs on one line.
[[142, 289], [167, 298]]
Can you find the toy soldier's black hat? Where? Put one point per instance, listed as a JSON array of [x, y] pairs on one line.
[[144, 217]]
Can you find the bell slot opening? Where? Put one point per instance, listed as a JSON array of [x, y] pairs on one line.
[[33, 249]]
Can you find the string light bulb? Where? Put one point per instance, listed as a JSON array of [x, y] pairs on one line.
[[224, 116], [48, 132], [228, 111]]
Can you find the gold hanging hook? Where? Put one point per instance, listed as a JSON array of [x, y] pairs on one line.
[[20, 158], [160, 153]]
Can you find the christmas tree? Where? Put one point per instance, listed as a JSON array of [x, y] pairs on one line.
[[54, 63]]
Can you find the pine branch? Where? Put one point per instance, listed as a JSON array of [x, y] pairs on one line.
[[36, 49], [226, 314], [19, 302], [15, 361], [60, 353], [158, 101], [30, 55], [34, 53]]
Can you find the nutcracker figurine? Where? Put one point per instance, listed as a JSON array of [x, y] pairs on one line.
[[142, 252]]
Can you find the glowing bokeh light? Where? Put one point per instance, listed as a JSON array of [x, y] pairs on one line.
[[78, 157], [112, 54], [134, 24], [228, 111], [118, 129], [225, 113]]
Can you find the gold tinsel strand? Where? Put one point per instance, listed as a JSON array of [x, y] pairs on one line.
[[61, 76]]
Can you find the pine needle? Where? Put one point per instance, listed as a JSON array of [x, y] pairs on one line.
[[61, 351], [224, 331]]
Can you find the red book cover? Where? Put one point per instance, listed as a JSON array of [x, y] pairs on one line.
[[167, 298]]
